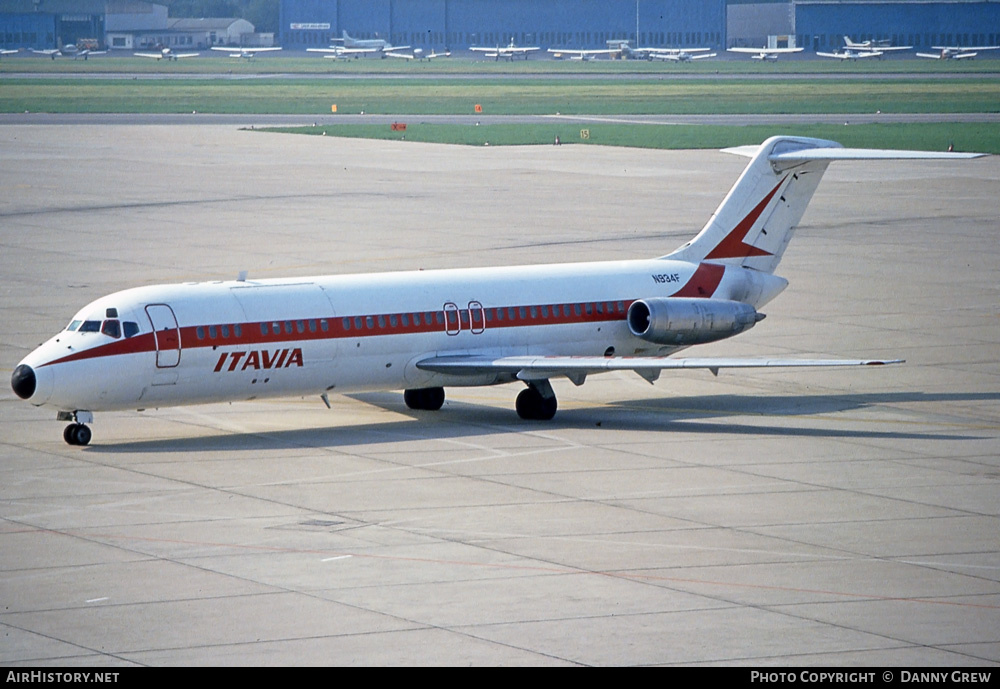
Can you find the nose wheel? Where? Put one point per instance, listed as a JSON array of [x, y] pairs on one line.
[[77, 434]]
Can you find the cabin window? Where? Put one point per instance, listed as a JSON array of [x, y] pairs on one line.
[[369, 322], [225, 331], [393, 320], [545, 312], [346, 323], [312, 326], [416, 319], [288, 327], [522, 312], [381, 321], [263, 328], [212, 332], [323, 325], [300, 327], [357, 322], [405, 320], [577, 310], [534, 312], [237, 330], [200, 332], [439, 317]]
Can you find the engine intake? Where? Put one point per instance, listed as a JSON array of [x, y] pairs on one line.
[[679, 321]]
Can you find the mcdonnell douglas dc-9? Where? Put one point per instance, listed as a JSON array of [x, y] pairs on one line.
[[422, 331]]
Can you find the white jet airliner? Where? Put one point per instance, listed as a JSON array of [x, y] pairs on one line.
[[421, 331]]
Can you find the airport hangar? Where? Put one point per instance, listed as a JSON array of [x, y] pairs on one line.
[[459, 24], [814, 24]]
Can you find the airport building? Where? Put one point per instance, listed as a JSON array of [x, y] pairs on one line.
[[814, 24], [115, 24]]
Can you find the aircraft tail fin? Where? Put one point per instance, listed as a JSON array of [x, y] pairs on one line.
[[754, 223]]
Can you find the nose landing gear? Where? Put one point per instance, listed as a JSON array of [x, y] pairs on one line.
[[77, 433]]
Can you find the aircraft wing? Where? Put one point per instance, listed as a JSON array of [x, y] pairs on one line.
[[155, 56], [765, 51], [342, 52], [861, 54], [680, 57], [583, 54], [577, 368]]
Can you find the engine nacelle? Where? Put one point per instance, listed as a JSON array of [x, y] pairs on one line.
[[680, 321]]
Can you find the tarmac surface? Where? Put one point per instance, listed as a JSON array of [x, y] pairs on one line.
[[757, 518]]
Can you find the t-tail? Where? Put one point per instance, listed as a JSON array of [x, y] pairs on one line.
[[755, 222]]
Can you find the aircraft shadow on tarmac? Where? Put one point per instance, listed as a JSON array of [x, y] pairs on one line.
[[699, 415]]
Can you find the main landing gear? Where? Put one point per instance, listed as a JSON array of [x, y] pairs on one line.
[[427, 399], [537, 402], [77, 433]]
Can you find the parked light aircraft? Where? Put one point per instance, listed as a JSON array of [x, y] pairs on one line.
[[70, 50], [852, 54], [166, 54], [765, 53], [7, 52], [377, 44], [954, 52], [670, 54], [421, 331], [508, 52], [883, 45], [246, 53]]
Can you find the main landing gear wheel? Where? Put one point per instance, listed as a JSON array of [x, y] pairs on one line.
[[533, 406], [77, 434], [427, 399]]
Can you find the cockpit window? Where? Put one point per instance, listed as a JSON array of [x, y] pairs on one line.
[[73, 326], [90, 327], [131, 328], [112, 328]]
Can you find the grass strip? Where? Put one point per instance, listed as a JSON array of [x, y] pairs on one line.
[[982, 138]]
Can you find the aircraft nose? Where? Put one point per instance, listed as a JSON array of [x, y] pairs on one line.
[[23, 381]]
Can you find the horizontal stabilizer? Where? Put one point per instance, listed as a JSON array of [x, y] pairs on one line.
[[837, 153]]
